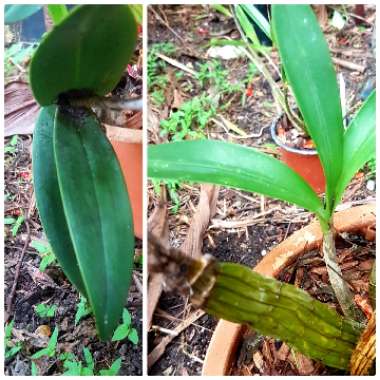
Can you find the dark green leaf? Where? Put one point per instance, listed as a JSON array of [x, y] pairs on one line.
[[359, 143], [48, 197], [310, 72], [98, 213], [15, 13], [86, 52], [231, 165]]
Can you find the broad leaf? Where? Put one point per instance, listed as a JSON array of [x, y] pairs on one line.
[[231, 165], [48, 197], [98, 213], [310, 72], [86, 52], [359, 143], [15, 13]]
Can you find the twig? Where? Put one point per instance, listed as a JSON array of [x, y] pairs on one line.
[[177, 64], [21, 258], [137, 283], [241, 223], [112, 102], [348, 65], [166, 24], [160, 348]]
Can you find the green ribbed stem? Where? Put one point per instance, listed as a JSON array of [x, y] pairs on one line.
[[279, 310]]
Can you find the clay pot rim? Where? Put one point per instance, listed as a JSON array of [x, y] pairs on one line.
[[227, 335], [273, 133]]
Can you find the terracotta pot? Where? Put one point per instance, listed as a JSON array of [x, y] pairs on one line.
[[222, 350], [130, 158], [304, 161]]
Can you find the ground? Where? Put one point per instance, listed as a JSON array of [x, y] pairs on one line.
[[183, 33]]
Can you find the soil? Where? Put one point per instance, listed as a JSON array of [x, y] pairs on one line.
[[190, 29]]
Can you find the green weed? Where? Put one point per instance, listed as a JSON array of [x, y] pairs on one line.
[[10, 349], [46, 253], [50, 349], [125, 330], [45, 311], [83, 309], [11, 146]]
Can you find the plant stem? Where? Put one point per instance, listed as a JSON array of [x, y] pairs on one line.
[[339, 285], [111, 102]]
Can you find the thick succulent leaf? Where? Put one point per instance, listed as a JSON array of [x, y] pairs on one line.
[[86, 52], [48, 197], [359, 143], [15, 12], [98, 213], [310, 72], [231, 165]]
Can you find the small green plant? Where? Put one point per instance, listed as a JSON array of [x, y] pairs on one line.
[[10, 349], [172, 188], [83, 309], [371, 164], [156, 67], [76, 174], [74, 367], [125, 330], [46, 253], [190, 120], [342, 153], [216, 76], [156, 71], [11, 146], [34, 369], [45, 311], [17, 224], [113, 370], [51, 347]]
